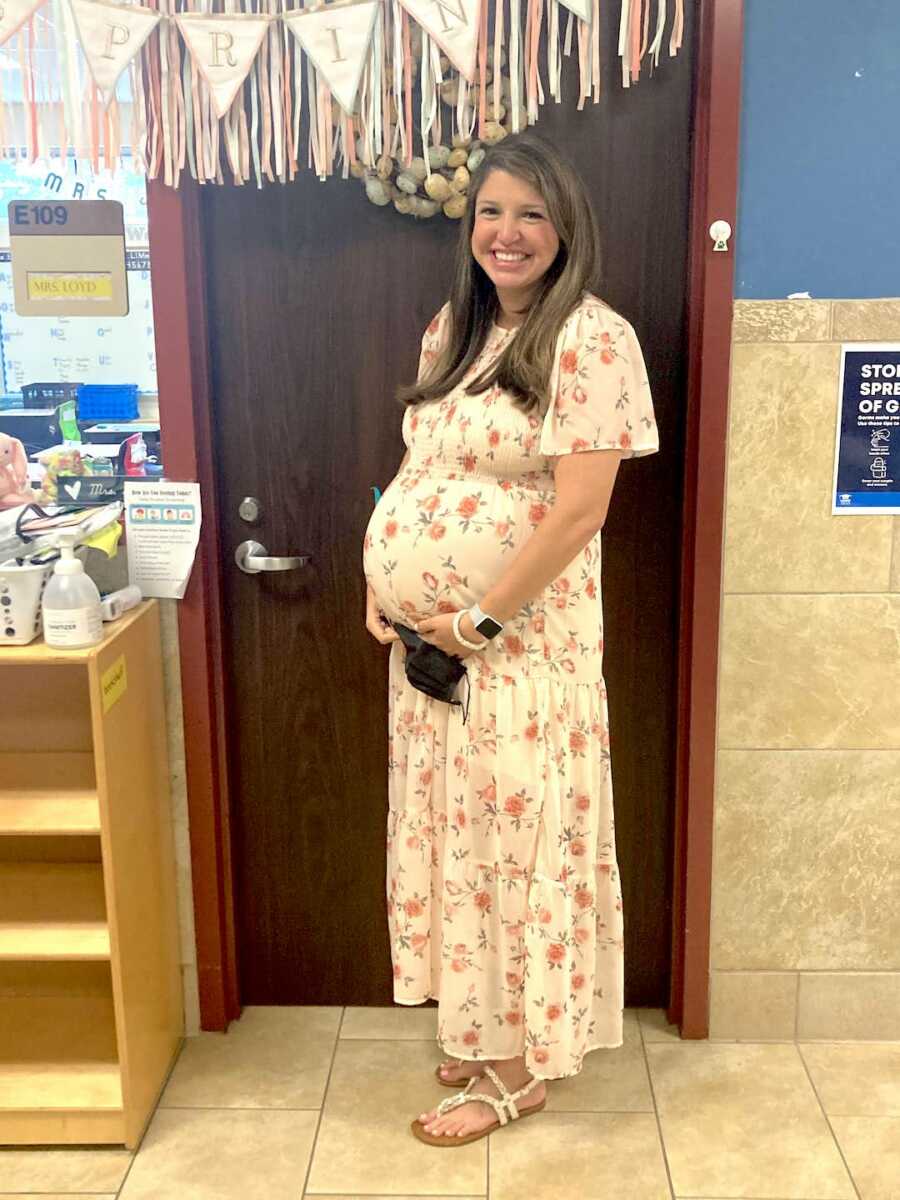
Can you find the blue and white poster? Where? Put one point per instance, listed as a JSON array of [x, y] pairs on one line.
[[867, 452]]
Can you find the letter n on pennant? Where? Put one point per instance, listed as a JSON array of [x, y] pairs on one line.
[[111, 35], [223, 47], [454, 25], [581, 8]]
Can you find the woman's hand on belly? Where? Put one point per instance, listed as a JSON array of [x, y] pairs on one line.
[[439, 632], [376, 622]]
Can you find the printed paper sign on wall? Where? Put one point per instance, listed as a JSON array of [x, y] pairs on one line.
[[867, 452]]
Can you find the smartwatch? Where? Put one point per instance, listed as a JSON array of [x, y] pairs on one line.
[[486, 626]]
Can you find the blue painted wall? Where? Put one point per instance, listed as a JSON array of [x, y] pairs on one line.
[[819, 205]]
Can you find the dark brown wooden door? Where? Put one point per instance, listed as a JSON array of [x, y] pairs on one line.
[[317, 300]]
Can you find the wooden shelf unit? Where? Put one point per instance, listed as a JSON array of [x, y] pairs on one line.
[[48, 794], [90, 984]]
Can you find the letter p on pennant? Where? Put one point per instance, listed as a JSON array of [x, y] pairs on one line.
[[111, 35]]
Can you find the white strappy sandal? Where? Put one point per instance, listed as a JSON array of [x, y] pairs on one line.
[[454, 1083], [504, 1107]]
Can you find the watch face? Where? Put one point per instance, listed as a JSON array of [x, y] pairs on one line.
[[488, 627]]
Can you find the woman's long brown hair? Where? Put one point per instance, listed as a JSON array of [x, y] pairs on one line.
[[525, 365]]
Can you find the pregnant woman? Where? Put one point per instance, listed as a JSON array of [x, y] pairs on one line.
[[504, 899]]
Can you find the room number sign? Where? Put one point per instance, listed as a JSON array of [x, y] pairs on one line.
[[68, 258]]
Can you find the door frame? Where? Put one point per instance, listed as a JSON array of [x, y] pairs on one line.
[[183, 369]]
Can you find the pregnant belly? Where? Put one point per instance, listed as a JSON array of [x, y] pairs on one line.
[[438, 549]]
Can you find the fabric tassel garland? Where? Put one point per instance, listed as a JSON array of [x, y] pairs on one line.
[[231, 94]]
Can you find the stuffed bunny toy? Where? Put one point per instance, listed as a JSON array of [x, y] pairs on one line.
[[14, 489]]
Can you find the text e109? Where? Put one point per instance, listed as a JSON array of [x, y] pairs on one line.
[[40, 214]]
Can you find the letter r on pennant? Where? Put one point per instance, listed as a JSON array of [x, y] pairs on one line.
[[221, 44], [454, 8], [112, 40]]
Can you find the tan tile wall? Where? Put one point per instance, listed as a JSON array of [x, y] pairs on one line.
[[805, 937]]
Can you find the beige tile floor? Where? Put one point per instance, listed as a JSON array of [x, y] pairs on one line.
[[315, 1102]]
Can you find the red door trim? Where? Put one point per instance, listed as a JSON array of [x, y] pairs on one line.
[[717, 101], [179, 315], [176, 255]]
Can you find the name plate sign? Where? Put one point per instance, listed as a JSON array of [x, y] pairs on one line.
[[68, 258]]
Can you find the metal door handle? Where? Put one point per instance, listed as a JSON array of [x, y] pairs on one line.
[[253, 557]]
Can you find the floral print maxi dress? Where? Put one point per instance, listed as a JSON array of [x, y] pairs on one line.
[[504, 899]]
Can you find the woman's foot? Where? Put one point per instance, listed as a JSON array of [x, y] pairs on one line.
[[455, 1071], [474, 1117]]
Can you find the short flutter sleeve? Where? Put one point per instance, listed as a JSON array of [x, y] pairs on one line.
[[433, 341], [599, 393]]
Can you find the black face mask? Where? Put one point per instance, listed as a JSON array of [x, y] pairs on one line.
[[430, 670]]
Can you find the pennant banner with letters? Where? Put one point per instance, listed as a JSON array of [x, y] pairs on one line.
[[223, 47], [337, 39], [14, 14], [454, 25], [389, 91], [581, 9], [111, 35]]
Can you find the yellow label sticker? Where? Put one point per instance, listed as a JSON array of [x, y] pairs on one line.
[[69, 285], [114, 683]]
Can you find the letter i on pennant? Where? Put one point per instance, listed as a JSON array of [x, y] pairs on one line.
[[337, 39]]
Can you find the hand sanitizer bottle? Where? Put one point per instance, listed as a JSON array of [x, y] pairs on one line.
[[71, 603]]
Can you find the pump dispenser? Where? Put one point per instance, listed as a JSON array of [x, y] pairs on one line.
[[71, 604]]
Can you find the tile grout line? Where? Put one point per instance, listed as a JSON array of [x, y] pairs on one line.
[[659, 1132], [834, 1138], [792, 341], [809, 970], [156, 1108], [797, 1007], [315, 1141], [239, 1108], [874, 594], [352, 1037], [814, 750], [487, 1169]]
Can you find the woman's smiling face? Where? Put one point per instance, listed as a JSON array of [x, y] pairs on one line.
[[513, 239]]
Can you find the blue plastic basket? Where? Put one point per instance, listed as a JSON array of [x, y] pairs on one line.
[[107, 402]]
